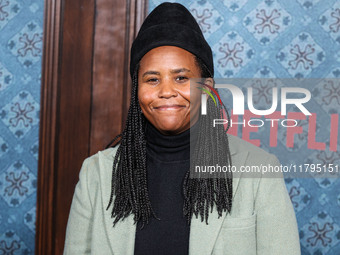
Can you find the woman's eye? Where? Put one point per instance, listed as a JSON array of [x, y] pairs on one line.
[[152, 80], [181, 78]]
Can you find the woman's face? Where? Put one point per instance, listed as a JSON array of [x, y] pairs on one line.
[[164, 88]]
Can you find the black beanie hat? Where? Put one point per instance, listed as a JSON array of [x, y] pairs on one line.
[[171, 24]]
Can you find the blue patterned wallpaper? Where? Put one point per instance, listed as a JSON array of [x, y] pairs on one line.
[[21, 24], [286, 39], [291, 38]]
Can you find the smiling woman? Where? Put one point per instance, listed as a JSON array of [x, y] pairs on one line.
[[138, 197], [164, 88]]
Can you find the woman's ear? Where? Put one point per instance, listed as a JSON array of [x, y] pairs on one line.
[[209, 82]]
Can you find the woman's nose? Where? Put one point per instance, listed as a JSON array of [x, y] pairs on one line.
[[167, 89]]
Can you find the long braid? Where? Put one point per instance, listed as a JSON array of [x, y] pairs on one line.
[[129, 192], [129, 177], [201, 193]]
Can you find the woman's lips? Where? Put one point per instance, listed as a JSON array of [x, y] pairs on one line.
[[169, 107]]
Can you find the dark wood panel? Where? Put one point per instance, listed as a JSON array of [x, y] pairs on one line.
[[108, 72], [116, 27], [74, 116]]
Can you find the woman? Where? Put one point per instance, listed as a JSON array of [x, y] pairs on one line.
[[138, 197]]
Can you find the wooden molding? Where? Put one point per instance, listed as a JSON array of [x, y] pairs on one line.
[[47, 136], [65, 115]]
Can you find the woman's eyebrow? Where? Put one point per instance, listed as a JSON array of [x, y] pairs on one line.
[[151, 72], [180, 70]]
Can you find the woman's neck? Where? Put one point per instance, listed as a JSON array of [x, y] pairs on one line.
[[168, 148]]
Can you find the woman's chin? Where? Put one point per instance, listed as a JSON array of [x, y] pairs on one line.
[[170, 128]]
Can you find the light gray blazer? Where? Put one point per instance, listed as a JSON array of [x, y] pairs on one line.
[[262, 220]]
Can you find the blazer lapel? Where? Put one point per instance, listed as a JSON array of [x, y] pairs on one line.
[[203, 236]]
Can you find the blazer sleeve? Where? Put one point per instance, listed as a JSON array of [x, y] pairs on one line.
[[277, 231], [79, 226]]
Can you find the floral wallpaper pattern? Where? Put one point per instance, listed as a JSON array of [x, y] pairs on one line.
[[286, 39], [21, 39]]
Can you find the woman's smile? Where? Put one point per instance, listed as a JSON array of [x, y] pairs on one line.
[[170, 107]]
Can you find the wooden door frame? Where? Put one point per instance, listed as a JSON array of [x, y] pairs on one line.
[[53, 80], [47, 131]]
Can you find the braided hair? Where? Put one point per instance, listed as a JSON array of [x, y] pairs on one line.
[[129, 193]]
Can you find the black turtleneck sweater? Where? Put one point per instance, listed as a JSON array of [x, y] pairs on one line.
[[168, 159]]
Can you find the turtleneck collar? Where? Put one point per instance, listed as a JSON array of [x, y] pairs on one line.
[[168, 148]]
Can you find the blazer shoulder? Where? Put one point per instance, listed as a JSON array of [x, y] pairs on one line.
[[238, 145], [253, 159], [98, 167], [101, 157]]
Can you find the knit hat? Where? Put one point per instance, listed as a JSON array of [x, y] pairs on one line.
[[171, 24]]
